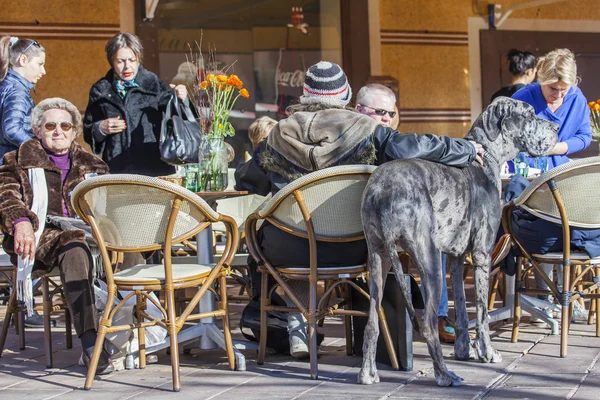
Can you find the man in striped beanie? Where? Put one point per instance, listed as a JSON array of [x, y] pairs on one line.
[[326, 83]]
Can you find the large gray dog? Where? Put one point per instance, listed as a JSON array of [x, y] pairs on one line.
[[427, 208]]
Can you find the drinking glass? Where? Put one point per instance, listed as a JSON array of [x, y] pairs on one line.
[[541, 163], [521, 162]]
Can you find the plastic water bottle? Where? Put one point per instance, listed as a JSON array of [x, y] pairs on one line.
[[541, 163]]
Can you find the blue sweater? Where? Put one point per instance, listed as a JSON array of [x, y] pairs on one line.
[[16, 106], [573, 117]]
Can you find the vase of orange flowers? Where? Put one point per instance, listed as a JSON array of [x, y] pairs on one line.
[[595, 119], [219, 94]]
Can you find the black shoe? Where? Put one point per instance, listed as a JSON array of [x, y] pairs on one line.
[[36, 320], [105, 365]]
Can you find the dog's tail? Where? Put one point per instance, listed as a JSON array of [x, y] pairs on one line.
[[404, 283]]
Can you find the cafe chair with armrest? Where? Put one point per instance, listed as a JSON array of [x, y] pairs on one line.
[[562, 196], [321, 206], [133, 213], [52, 301]]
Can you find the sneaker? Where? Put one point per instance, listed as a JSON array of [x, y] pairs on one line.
[[446, 330], [299, 344], [579, 313], [105, 365], [35, 320]]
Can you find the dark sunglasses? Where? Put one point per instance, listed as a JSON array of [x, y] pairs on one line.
[[381, 112], [64, 126], [33, 43]]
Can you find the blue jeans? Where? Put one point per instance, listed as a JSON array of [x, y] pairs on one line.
[[443, 308]]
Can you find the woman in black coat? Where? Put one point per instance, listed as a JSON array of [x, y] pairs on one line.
[[123, 118]]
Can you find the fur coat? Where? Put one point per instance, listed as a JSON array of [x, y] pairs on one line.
[[16, 196]]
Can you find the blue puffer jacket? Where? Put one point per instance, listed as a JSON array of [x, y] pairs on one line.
[[15, 112]]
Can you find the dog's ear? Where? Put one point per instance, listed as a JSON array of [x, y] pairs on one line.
[[505, 113]]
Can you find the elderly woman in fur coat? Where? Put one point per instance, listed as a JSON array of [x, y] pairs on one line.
[[36, 181], [321, 132]]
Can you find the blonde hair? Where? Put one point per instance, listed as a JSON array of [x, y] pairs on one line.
[[558, 65], [56, 103], [260, 129], [10, 53]]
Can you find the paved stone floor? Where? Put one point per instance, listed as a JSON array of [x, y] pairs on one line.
[[531, 369]]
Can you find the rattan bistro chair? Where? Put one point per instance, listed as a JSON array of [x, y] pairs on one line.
[[565, 195], [132, 213], [321, 206]]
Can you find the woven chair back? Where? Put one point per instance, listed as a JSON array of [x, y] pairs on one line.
[[134, 211], [333, 198], [577, 182]]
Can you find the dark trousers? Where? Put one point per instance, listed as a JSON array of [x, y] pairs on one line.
[[76, 273]]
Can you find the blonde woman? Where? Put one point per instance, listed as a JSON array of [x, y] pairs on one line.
[[556, 98]]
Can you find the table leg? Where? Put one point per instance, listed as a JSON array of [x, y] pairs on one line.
[[528, 304]]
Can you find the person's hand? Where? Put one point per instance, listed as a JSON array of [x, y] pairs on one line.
[[479, 151], [111, 126], [180, 91], [24, 240]]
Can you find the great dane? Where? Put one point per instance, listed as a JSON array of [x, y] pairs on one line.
[[427, 208]]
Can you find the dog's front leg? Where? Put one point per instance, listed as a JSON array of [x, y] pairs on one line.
[[483, 343], [368, 373], [462, 348]]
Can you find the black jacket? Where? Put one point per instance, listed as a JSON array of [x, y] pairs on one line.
[[135, 150]]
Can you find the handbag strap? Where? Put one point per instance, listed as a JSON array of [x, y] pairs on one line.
[[182, 106]]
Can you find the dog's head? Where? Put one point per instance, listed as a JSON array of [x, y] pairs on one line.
[[509, 126]]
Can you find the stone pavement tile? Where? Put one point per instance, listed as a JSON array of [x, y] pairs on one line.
[[28, 394], [529, 394], [536, 380], [589, 389]]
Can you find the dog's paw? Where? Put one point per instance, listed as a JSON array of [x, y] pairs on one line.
[[448, 378], [492, 356], [366, 378]]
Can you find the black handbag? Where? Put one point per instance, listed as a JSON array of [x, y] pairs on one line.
[[180, 134]]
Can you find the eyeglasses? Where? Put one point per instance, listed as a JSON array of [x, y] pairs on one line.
[[64, 126], [33, 43], [380, 111]]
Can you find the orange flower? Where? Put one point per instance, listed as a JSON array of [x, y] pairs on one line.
[[211, 77], [222, 78], [203, 85], [597, 107], [591, 104], [244, 93], [234, 80]]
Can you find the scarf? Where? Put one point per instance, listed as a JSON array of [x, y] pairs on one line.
[[39, 206], [121, 86]]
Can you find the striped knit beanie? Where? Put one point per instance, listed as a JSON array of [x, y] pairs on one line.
[[326, 83]]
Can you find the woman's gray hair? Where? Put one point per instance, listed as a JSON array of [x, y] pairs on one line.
[[124, 39], [56, 103]]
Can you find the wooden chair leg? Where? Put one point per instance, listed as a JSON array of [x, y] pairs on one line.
[[517, 303], [348, 321], [566, 318], [89, 379], [312, 330], [387, 338], [20, 325], [493, 290], [264, 302], [226, 329], [47, 307], [139, 307], [12, 303], [172, 328]]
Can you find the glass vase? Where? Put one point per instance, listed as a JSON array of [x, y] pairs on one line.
[[212, 165]]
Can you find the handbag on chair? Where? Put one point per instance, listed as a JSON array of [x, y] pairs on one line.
[[180, 134]]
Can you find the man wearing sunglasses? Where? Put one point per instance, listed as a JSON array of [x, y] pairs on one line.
[[378, 101]]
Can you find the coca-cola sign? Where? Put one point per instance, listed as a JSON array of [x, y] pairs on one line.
[[292, 79]]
